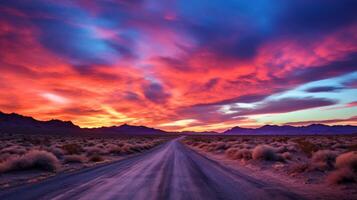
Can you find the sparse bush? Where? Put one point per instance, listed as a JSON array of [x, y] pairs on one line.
[[93, 151], [299, 168], [34, 159], [72, 148], [115, 150], [281, 149], [348, 160], [4, 156], [307, 147], [231, 153], [342, 176], [286, 155], [13, 150], [74, 159], [96, 158], [323, 159], [56, 151], [245, 154], [264, 152]]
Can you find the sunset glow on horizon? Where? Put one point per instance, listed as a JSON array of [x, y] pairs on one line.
[[180, 65]]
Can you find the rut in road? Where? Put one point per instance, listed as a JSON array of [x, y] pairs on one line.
[[171, 171]]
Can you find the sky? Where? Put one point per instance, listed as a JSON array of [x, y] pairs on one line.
[[180, 65]]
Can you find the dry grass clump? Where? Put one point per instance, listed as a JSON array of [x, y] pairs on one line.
[[306, 146], [72, 148], [34, 159], [310, 157], [237, 153], [299, 168], [346, 169], [94, 150], [58, 152], [4, 157], [287, 156], [342, 176], [231, 153], [348, 160], [114, 149], [15, 149], [265, 152], [323, 160], [217, 146], [74, 159], [96, 158]]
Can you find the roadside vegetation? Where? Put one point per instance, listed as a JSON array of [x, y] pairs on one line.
[[25, 157], [315, 159]]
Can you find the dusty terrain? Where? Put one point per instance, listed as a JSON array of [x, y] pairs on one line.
[[27, 159], [204, 167], [169, 171], [326, 164]]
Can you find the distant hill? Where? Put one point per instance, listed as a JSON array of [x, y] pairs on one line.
[[126, 129], [313, 129], [15, 123], [198, 133]]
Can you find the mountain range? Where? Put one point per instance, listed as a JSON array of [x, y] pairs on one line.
[[18, 124], [313, 129], [15, 123]]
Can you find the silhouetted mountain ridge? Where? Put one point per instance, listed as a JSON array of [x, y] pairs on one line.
[[15, 123], [313, 129]]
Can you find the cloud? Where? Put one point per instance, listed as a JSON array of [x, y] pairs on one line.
[[155, 93], [161, 62], [352, 84], [347, 121], [287, 105], [323, 89]]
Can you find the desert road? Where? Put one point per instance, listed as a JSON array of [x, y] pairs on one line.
[[171, 171]]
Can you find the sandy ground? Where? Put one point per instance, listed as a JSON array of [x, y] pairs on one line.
[[171, 171], [13, 179], [271, 173]]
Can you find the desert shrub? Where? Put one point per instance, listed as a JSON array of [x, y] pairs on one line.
[[127, 148], [96, 158], [299, 168], [342, 176], [74, 159], [286, 155], [291, 147], [72, 148], [13, 150], [231, 153], [114, 149], [94, 150], [347, 160], [307, 147], [4, 156], [352, 147], [34, 159], [217, 146], [56, 151], [202, 145], [135, 148], [247, 146], [264, 152], [281, 149], [244, 154], [323, 159]]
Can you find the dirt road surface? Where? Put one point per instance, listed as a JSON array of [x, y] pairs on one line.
[[171, 171]]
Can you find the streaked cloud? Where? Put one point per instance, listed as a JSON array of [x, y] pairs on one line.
[[170, 63]]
